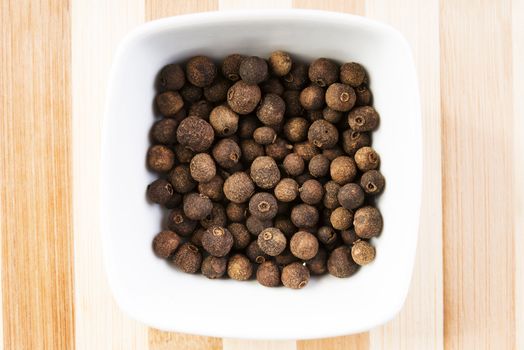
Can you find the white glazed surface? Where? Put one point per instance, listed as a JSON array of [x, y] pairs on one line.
[[152, 291]]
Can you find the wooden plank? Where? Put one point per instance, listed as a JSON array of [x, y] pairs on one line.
[[245, 344], [478, 197], [225, 5], [420, 323], [97, 27], [36, 211]]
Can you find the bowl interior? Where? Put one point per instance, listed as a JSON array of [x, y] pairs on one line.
[[150, 289]]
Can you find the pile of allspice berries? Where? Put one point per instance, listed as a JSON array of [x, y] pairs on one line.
[[266, 167]]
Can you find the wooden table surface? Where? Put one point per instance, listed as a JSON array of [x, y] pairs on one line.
[[467, 290]]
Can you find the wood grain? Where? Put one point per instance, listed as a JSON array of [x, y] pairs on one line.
[[36, 225], [477, 129]]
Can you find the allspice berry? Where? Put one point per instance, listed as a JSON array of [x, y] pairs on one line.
[[263, 205], [264, 172], [202, 167], [326, 235], [268, 274], [323, 72], [241, 236], [272, 86], [352, 74], [284, 224], [239, 268], [191, 93], [297, 77], [188, 258], [172, 77], [354, 140], [174, 201], [272, 241], [318, 265], [303, 245], [331, 189], [217, 91], [231, 66], [372, 182], [255, 225], [295, 129], [341, 218], [214, 267], [236, 212], [292, 102], [363, 96], [243, 98], [160, 191], [306, 150], [363, 118], [315, 115], [200, 109], [239, 187], [366, 159], [195, 134], [250, 150], [280, 63], [177, 221], [181, 180], [217, 241], [362, 252], [165, 243], [213, 188], [183, 154], [227, 153], [351, 196], [304, 215], [160, 158], [285, 258], [332, 153], [312, 97], [169, 103], [340, 263], [264, 135], [223, 120], [331, 115], [271, 110], [247, 126], [367, 222], [164, 131], [343, 170], [201, 71], [295, 276], [319, 165], [286, 190], [196, 237], [311, 192], [340, 97], [279, 149], [216, 218], [197, 206], [349, 236], [253, 70], [293, 164]]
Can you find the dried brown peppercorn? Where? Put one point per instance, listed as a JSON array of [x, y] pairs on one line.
[[202, 167], [212, 188], [264, 135], [255, 253], [160, 191], [323, 72], [271, 109], [293, 164], [319, 165], [286, 190], [197, 206], [352, 74], [326, 235], [285, 258], [331, 189], [180, 178], [340, 97], [304, 215], [272, 241], [363, 96], [354, 140], [280, 63], [263, 205], [183, 154], [217, 241], [223, 120], [306, 150], [340, 263], [363, 118], [243, 98], [295, 276], [200, 109], [349, 236], [241, 236], [181, 115], [196, 237], [216, 218], [239, 268], [169, 103], [172, 77], [313, 116], [214, 267], [251, 150], [311, 192], [227, 153], [284, 224], [312, 98], [231, 66], [247, 126], [177, 221], [332, 153], [331, 115], [236, 212], [351, 196], [195, 134], [293, 108], [165, 243], [341, 218], [188, 258], [295, 129], [239, 187], [201, 71], [264, 172], [255, 225], [318, 265], [191, 93], [367, 222], [268, 274], [272, 86], [217, 91], [253, 70], [366, 159], [174, 201], [160, 158], [164, 131], [343, 170], [279, 149], [304, 245], [372, 182], [297, 77], [362, 252]]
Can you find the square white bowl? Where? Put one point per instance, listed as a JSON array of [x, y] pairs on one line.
[[150, 290]]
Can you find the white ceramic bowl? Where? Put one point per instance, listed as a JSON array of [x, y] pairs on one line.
[[153, 292]]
